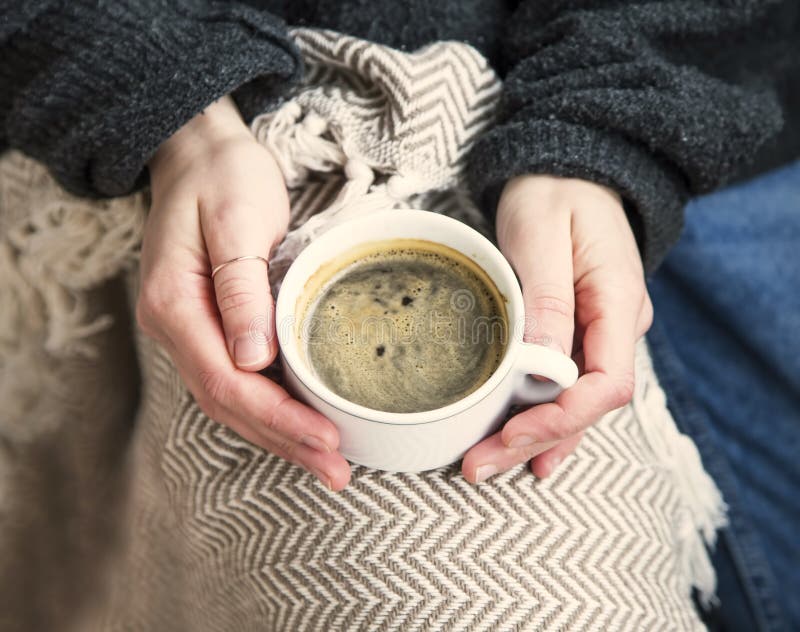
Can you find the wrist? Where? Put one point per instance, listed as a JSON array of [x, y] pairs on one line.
[[530, 191], [526, 198], [217, 123]]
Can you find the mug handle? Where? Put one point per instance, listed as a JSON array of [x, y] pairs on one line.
[[551, 364]]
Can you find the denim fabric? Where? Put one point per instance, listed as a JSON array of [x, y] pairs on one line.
[[726, 347]]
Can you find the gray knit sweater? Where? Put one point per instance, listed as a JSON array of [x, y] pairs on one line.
[[661, 100]]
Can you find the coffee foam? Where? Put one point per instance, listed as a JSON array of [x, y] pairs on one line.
[[402, 325]]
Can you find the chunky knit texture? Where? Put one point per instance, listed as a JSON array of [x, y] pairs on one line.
[[660, 100], [95, 87], [597, 94]]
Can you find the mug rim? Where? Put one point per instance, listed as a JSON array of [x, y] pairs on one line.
[[289, 349]]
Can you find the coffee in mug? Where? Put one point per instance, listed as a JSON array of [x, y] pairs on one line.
[[403, 325]]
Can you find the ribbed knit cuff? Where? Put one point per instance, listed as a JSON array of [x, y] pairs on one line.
[[653, 192], [103, 100]]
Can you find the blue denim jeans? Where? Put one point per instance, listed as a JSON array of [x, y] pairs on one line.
[[726, 347]]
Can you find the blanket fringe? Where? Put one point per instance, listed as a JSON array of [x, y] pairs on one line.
[[301, 143], [705, 510], [55, 248]]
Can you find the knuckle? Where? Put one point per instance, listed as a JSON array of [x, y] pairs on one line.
[[567, 425], [526, 453], [232, 207], [622, 286], [234, 293], [284, 448], [621, 388], [287, 449], [223, 216], [617, 293], [152, 310], [553, 305], [552, 298], [154, 304], [217, 388], [274, 415]]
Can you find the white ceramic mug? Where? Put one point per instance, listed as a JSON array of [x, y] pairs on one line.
[[415, 442]]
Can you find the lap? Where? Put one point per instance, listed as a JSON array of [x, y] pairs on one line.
[[603, 544]]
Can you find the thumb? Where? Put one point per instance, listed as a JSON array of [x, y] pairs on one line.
[[242, 286], [540, 250]]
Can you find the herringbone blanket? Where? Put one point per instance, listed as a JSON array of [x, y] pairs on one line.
[[123, 507]]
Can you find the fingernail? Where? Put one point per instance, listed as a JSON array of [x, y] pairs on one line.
[[520, 441], [315, 443], [323, 478], [554, 464], [549, 341], [247, 352], [485, 471]]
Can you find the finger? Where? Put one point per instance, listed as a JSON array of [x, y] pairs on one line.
[[238, 398], [491, 456], [607, 384], [330, 468], [541, 253], [544, 464], [242, 287], [257, 400]]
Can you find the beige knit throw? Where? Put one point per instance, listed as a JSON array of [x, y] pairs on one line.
[[125, 508]]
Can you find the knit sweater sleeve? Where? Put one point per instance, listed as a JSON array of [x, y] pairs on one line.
[[91, 88], [615, 92]]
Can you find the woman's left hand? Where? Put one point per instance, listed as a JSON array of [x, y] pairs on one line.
[[583, 285]]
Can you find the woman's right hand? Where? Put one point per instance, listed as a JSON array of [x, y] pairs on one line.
[[217, 195]]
